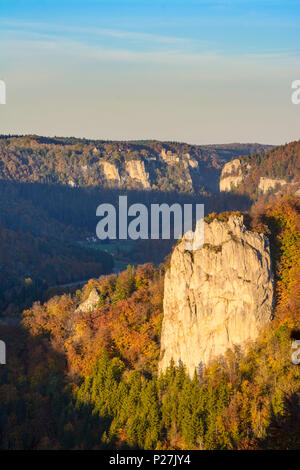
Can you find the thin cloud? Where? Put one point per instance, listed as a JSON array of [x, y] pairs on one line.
[[40, 42], [94, 32], [96, 52]]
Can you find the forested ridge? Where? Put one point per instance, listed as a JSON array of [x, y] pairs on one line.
[[71, 161], [282, 163], [88, 380]]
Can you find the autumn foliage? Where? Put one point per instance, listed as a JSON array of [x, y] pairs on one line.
[[89, 380]]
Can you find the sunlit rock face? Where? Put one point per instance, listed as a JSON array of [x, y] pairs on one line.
[[231, 175], [90, 303], [216, 297], [111, 172], [265, 184], [136, 170]]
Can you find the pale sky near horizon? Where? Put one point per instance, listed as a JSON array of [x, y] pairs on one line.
[[198, 71]]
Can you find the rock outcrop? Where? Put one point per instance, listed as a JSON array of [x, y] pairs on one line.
[[265, 184], [136, 170], [169, 156], [216, 297], [231, 175], [90, 303], [111, 172]]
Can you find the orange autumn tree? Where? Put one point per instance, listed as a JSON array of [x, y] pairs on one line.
[[284, 222]]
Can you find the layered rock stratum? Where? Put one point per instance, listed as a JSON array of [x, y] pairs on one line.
[[216, 297]]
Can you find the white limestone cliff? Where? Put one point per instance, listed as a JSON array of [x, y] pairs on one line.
[[111, 172], [265, 184], [231, 175], [216, 297], [136, 170]]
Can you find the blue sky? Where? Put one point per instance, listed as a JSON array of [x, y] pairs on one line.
[[187, 70]]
